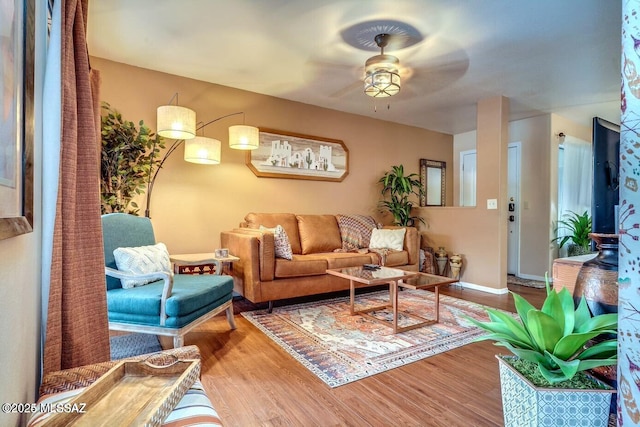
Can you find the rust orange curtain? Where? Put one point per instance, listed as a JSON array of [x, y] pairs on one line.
[[77, 326]]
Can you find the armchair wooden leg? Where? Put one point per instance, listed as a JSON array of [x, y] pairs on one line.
[[178, 341], [230, 318]]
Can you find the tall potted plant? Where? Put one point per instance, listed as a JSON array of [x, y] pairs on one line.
[[129, 155], [578, 227], [399, 187], [545, 383]]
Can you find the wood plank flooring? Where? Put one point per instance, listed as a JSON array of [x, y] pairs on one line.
[[253, 382]]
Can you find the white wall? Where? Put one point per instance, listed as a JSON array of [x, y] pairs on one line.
[[20, 290]]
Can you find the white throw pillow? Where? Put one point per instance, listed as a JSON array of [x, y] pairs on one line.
[[142, 260], [280, 241], [387, 238]]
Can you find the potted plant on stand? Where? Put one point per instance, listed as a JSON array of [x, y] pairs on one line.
[[399, 187], [578, 227], [545, 383]]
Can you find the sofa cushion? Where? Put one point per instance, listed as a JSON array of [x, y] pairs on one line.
[[396, 258], [318, 233], [189, 296], [288, 221], [355, 230], [387, 239], [301, 265], [350, 259]]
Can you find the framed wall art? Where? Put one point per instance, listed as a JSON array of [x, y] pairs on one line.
[[432, 178], [291, 155], [17, 35]]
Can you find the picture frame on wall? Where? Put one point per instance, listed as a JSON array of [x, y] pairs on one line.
[[17, 35], [296, 156]]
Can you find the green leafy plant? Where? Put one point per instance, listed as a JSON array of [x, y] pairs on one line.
[[399, 187], [556, 337], [578, 228], [128, 158]]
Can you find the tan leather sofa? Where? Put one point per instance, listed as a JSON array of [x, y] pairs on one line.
[[316, 245]]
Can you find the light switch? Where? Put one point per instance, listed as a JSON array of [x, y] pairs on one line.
[[492, 203]]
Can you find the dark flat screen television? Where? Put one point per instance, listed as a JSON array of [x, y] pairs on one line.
[[605, 196]]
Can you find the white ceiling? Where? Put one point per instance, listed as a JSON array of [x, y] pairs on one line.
[[547, 56]]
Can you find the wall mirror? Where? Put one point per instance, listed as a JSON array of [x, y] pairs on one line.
[[432, 178]]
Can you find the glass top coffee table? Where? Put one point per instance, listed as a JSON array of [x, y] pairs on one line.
[[382, 276], [427, 281]]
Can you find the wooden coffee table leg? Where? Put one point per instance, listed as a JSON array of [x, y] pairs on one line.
[[352, 291], [393, 287], [437, 295]]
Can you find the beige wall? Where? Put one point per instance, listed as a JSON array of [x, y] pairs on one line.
[[478, 234], [192, 204], [20, 320]]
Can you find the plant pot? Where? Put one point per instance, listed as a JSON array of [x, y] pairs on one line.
[[524, 404], [576, 250]]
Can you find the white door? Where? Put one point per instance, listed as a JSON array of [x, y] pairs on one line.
[[513, 208], [468, 178]]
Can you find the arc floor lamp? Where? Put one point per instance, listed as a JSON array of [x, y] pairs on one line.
[[179, 123]]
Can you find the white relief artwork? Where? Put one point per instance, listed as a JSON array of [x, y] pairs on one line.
[[299, 157]]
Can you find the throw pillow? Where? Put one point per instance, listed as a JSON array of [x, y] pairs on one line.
[[387, 238], [280, 241], [142, 260], [355, 231]]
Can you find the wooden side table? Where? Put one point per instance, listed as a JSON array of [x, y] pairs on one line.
[[202, 263]]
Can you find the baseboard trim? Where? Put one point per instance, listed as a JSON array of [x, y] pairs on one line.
[[483, 288]]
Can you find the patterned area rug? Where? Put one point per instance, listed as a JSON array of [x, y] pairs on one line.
[[123, 346], [340, 348]]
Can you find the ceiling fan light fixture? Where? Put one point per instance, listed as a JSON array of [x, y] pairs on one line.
[[382, 77]]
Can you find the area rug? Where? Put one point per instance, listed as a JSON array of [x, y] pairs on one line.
[[340, 348], [123, 346]]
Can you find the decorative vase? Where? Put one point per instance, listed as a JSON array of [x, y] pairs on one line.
[[455, 263], [441, 260], [598, 278], [524, 404], [597, 282]]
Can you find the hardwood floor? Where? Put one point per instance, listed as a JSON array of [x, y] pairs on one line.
[[253, 382]]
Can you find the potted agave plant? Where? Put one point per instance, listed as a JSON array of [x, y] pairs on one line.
[[545, 383]]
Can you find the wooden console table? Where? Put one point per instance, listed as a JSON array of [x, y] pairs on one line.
[[565, 271]]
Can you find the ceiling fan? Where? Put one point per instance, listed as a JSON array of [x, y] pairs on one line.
[[429, 63]]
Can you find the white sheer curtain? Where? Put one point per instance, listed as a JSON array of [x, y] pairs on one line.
[[51, 152], [575, 177]]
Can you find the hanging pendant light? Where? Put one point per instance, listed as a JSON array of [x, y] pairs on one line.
[[176, 122], [382, 77], [243, 137], [202, 150]]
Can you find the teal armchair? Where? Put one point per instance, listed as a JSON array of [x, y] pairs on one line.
[[170, 305]]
